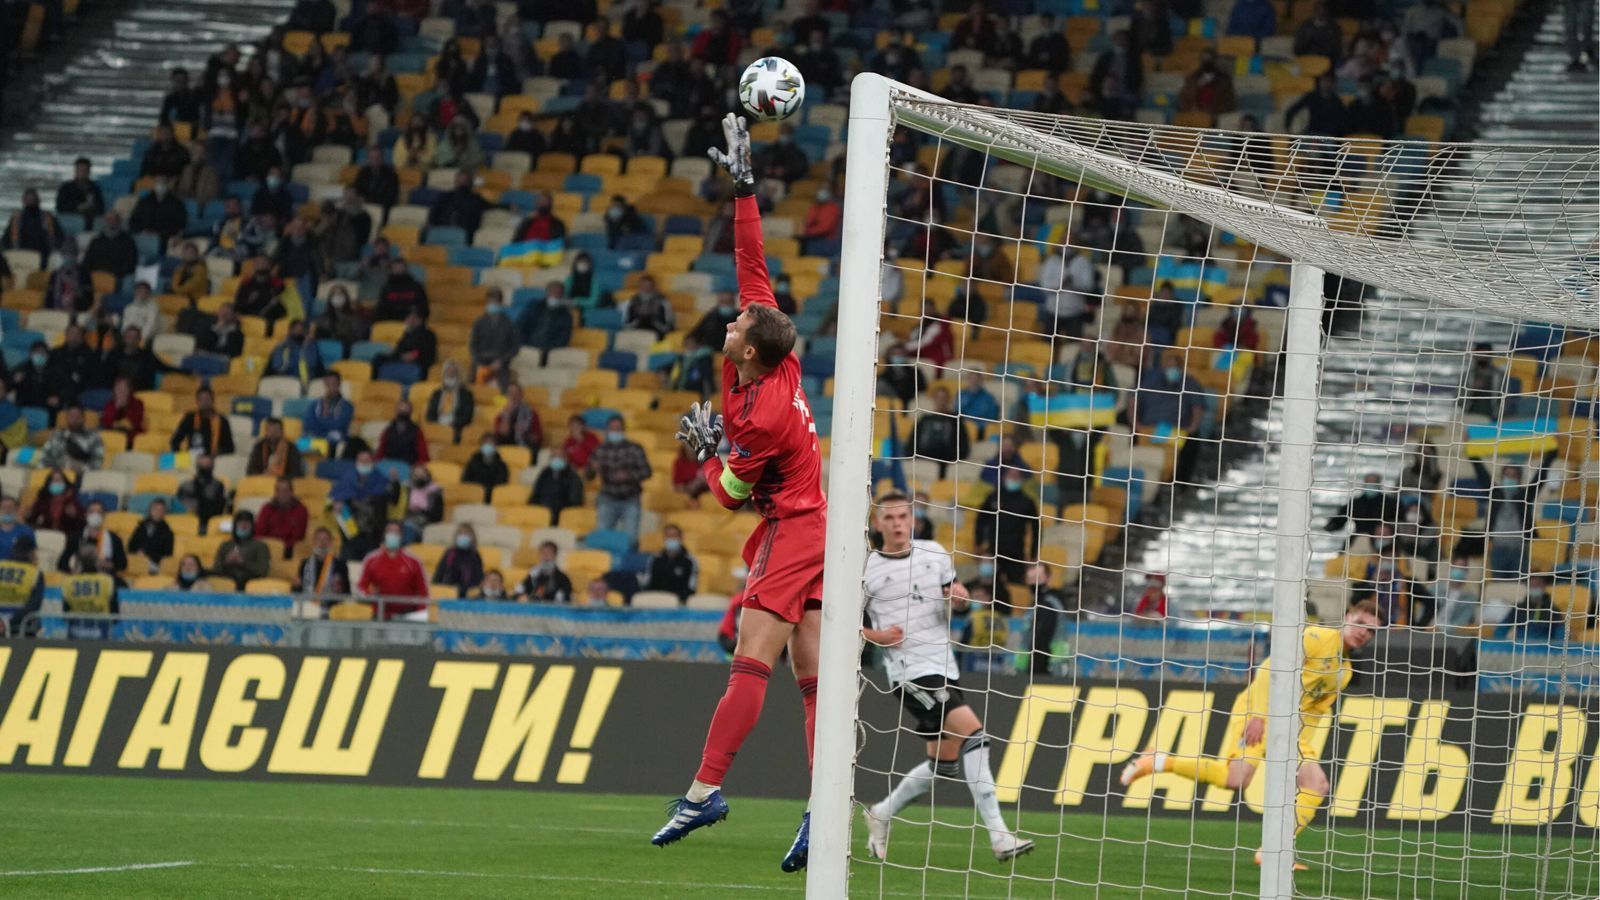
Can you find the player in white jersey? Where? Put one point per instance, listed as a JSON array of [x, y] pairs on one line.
[[911, 587]]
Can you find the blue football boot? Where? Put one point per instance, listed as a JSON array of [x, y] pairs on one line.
[[795, 859], [687, 815]]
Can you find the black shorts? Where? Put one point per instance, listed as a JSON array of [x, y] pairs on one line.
[[929, 699]]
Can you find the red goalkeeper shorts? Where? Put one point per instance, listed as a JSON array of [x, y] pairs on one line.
[[784, 557]]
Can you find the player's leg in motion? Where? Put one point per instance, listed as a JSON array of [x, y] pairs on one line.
[[762, 636], [803, 650]]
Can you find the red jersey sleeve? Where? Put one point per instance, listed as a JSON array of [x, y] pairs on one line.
[[750, 255]]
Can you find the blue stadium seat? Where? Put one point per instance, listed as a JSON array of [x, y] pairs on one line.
[[606, 319], [400, 471], [680, 224], [636, 562], [616, 543], [596, 417], [367, 351], [401, 372], [297, 407], [254, 407], [140, 503], [518, 200], [107, 499], [334, 469], [204, 365], [94, 398], [583, 183], [446, 235], [619, 361], [331, 351], [476, 257], [38, 418]]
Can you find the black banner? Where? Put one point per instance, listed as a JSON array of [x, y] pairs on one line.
[[411, 717]]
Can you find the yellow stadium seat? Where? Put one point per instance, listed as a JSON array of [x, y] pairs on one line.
[[564, 163], [524, 516], [600, 164], [462, 493], [509, 495], [578, 519], [267, 586], [257, 486], [350, 611], [156, 483]]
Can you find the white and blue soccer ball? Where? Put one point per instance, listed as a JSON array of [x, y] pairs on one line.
[[771, 89]]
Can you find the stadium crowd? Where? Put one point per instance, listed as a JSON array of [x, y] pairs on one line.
[[406, 299]]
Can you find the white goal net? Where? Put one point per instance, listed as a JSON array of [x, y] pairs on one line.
[[1175, 401]]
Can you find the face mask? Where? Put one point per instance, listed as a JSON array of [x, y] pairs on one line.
[[1013, 486], [57, 488], [161, 190], [1508, 482], [464, 542], [1174, 374], [986, 570], [363, 469], [392, 541], [524, 126], [1458, 574], [188, 577], [242, 532], [672, 545], [614, 213], [583, 268], [613, 437], [274, 181], [1381, 543], [553, 302], [8, 518], [558, 464], [94, 520], [726, 309], [898, 359], [492, 309], [487, 450], [920, 514], [38, 359]]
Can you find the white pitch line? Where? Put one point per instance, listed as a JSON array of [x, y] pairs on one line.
[[96, 870]]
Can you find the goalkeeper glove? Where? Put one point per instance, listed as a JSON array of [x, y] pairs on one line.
[[736, 161], [700, 430]]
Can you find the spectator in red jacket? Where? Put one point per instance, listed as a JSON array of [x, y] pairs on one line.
[[285, 518], [1237, 331], [717, 43], [580, 442], [391, 572], [403, 440], [123, 412], [1153, 602], [824, 220]]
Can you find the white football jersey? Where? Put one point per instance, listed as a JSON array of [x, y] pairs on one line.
[[909, 592]]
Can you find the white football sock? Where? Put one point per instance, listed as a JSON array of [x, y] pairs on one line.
[[699, 791], [975, 764], [912, 785]]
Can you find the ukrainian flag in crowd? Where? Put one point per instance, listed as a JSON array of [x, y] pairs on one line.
[[1074, 409], [1189, 274], [533, 253], [1513, 437]]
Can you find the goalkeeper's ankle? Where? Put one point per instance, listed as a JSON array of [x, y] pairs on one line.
[[699, 791]]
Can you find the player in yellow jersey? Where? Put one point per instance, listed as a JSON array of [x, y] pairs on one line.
[[1324, 674]]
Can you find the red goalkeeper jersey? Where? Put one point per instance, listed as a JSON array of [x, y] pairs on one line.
[[774, 452]]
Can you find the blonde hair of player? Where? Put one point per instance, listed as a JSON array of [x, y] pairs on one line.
[[1324, 674]]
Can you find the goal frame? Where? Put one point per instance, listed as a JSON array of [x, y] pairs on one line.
[[871, 125]]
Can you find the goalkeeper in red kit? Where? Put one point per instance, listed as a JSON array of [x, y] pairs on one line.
[[774, 464]]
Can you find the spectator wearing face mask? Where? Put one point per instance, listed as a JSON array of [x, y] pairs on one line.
[[517, 423], [712, 329], [548, 325], [341, 321], [557, 487], [93, 548], [297, 355], [11, 527], [1510, 514], [622, 220], [74, 446], [422, 504], [1007, 526], [492, 588], [621, 467], [492, 342], [191, 576], [545, 582], [31, 228], [461, 566], [1364, 510], [673, 570], [56, 506], [486, 468], [390, 571], [329, 418], [527, 138], [243, 556], [649, 309], [273, 197], [160, 212]]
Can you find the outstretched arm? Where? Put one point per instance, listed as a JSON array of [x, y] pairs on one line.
[[750, 259]]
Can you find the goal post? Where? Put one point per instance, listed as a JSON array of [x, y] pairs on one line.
[[1458, 252]]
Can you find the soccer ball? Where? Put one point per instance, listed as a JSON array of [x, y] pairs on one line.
[[771, 88]]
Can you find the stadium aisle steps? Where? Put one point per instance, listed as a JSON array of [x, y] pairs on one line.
[[105, 97]]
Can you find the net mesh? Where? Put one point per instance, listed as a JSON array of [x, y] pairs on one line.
[[1081, 334]]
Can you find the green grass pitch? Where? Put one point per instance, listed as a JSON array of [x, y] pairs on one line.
[[87, 836]]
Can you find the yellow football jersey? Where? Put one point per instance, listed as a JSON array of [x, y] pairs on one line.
[[1323, 675]]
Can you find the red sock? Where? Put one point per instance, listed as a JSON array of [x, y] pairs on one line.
[[736, 714], [808, 699]]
